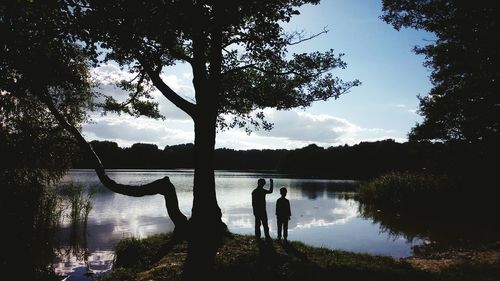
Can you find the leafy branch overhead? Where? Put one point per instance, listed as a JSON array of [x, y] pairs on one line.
[[236, 49], [464, 103], [139, 101]]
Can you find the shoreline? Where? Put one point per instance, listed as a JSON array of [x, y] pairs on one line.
[[243, 254]]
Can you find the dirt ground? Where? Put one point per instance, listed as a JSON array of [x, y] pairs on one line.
[[439, 260]]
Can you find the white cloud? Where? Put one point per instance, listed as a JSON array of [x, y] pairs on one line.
[[306, 127], [108, 75], [295, 129], [292, 128], [407, 108], [127, 130]]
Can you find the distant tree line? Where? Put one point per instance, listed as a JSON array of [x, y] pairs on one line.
[[361, 161]]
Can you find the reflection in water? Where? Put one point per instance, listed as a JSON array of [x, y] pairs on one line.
[[73, 258], [96, 263], [320, 217], [448, 228]]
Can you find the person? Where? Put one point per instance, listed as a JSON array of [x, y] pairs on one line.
[[283, 214], [259, 207]]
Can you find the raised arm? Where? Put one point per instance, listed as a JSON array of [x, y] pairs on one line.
[[272, 186]]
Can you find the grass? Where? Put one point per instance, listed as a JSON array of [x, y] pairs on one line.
[[243, 258], [445, 210], [401, 191]]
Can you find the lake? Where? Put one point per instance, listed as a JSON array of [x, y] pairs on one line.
[[320, 215]]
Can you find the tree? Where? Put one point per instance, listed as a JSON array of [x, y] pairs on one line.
[[37, 59], [238, 53], [464, 104]]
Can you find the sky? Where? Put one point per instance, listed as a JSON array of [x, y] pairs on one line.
[[384, 106]]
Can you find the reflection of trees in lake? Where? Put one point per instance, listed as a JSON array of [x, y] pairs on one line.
[[443, 226], [320, 188], [438, 208]]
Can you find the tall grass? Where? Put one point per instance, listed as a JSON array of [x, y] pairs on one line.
[[408, 191], [434, 207], [78, 203], [138, 254]]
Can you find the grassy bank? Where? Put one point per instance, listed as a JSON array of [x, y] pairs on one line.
[[242, 258]]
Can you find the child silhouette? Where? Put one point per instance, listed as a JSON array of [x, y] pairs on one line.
[[283, 214]]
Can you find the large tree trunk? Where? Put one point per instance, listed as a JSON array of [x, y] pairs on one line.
[[205, 205], [205, 225]]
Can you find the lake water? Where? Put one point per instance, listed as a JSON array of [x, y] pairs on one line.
[[320, 217]]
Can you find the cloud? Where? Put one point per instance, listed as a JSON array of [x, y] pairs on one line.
[[127, 130], [306, 127], [295, 129], [407, 108], [292, 128], [108, 75]]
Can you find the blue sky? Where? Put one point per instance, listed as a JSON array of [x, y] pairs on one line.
[[382, 107]]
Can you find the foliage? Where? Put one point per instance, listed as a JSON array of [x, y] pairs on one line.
[[406, 191], [437, 208], [237, 50], [40, 60], [31, 215], [77, 201], [119, 274], [139, 254], [464, 58], [361, 161]]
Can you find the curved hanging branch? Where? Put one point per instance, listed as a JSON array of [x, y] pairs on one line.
[[161, 186], [186, 106]]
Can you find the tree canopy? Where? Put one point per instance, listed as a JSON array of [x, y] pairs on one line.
[[40, 61], [237, 51], [464, 104]]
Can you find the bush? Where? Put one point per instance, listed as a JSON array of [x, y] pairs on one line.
[[404, 190], [139, 254]]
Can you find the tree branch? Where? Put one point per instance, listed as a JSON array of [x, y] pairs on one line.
[[171, 95], [253, 66], [137, 92], [174, 53], [161, 186], [324, 31]]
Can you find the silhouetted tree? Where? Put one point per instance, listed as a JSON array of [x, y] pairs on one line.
[[464, 103], [39, 61], [238, 54]]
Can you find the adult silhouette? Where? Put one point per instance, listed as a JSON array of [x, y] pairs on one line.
[[259, 207]]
